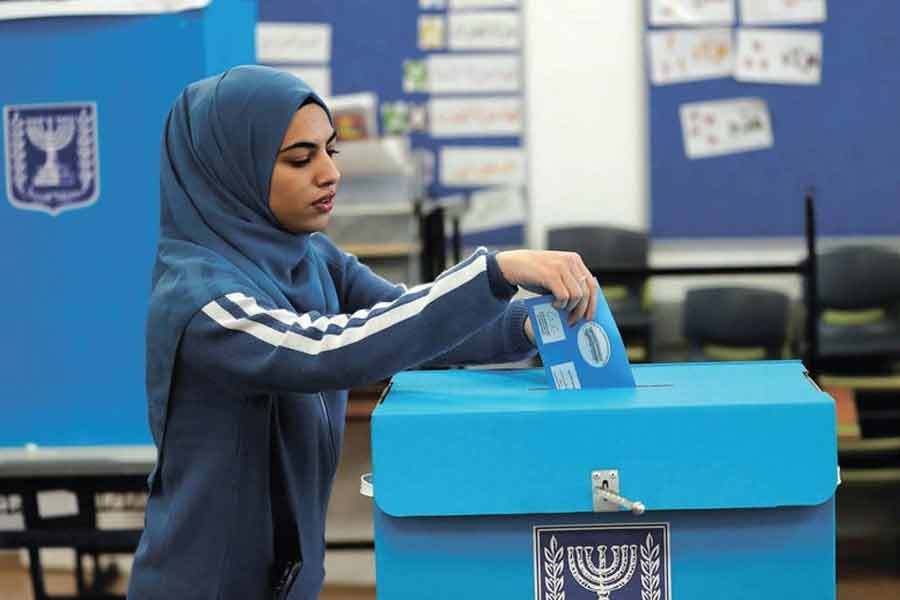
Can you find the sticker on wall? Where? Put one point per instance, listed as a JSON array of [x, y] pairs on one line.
[[691, 12], [678, 55], [614, 562], [771, 12], [395, 118], [725, 127], [418, 117], [431, 32], [473, 166], [478, 117], [432, 4], [772, 56], [293, 42], [449, 74], [486, 30], [52, 156], [415, 76]]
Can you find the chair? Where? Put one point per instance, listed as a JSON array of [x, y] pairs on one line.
[[859, 336], [609, 248], [736, 323]]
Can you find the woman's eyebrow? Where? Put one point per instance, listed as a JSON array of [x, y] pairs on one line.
[[308, 145]]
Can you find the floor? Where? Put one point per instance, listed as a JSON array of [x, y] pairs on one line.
[[866, 571]]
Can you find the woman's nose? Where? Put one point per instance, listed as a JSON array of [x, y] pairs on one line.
[[328, 173]]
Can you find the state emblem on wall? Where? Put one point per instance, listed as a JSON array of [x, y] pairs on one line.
[[602, 562], [52, 158]]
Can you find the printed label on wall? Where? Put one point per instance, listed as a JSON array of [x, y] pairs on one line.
[[725, 127], [678, 55]]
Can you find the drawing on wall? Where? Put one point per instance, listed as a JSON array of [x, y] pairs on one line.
[[779, 56], [691, 12], [771, 12], [725, 127], [679, 55]]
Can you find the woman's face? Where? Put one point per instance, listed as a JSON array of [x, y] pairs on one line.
[[305, 177]]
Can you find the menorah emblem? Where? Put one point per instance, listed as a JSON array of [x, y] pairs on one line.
[[52, 159], [50, 134], [603, 562], [602, 579]]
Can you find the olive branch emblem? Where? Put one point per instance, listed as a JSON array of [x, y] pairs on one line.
[[553, 571], [649, 569]]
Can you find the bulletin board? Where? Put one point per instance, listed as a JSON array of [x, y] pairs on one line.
[[371, 41], [842, 137]]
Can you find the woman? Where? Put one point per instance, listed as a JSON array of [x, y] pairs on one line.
[[257, 326]]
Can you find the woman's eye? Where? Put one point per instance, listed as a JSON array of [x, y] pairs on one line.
[[333, 152], [302, 162]]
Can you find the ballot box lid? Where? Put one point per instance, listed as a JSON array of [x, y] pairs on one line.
[[689, 436]]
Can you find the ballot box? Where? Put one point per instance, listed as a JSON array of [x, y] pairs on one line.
[[706, 480]]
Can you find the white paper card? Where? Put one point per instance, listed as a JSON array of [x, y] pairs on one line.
[[771, 12], [779, 56], [565, 376], [481, 117], [318, 78], [23, 9], [486, 30], [725, 127], [57, 503], [691, 12], [470, 4], [293, 42], [678, 55], [477, 165], [493, 208], [448, 74]]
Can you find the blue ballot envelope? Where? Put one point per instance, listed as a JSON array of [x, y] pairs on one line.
[[589, 354], [704, 481]]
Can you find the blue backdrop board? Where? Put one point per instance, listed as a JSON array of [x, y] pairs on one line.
[[370, 44], [842, 136], [85, 99]]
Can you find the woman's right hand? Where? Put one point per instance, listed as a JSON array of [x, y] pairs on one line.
[[563, 274]]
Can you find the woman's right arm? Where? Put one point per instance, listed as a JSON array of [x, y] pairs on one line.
[[244, 341]]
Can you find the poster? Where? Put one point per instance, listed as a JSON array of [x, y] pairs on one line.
[[293, 42], [772, 12], [679, 55], [473, 166], [475, 117], [691, 12], [725, 127], [786, 56]]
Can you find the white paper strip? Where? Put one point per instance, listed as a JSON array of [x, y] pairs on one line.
[[725, 126], [492, 209], [771, 12], [476, 166], [318, 78], [448, 74], [678, 55], [691, 12], [488, 30], [465, 117], [293, 42], [772, 56], [23, 9], [470, 4]]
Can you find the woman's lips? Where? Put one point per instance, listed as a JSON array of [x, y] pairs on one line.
[[325, 204]]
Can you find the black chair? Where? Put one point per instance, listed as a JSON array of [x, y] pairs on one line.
[[609, 248], [736, 323], [859, 333]]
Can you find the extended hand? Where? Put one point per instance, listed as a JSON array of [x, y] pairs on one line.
[[563, 274]]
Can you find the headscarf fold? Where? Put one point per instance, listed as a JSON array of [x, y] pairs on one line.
[[217, 233]]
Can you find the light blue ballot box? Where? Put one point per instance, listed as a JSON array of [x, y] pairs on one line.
[[707, 480]]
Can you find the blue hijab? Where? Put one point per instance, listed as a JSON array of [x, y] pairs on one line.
[[217, 233]]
